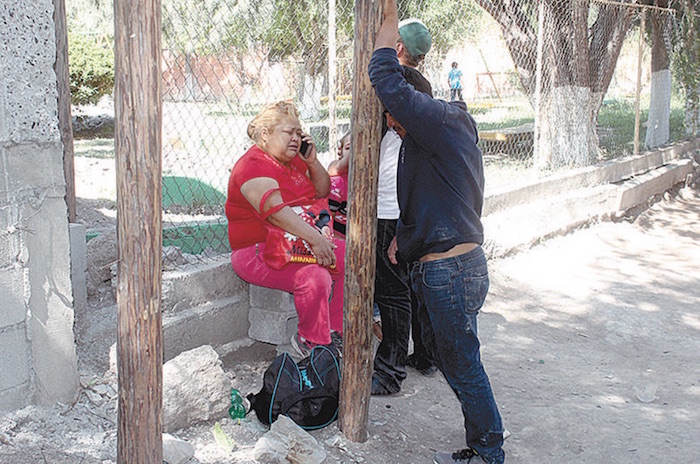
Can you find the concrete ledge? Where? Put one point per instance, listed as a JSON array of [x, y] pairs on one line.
[[215, 324], [544, 218], [552, 215], [604, 173], [195, 285], [641, 188]]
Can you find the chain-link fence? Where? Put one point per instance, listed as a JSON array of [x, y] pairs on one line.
[[552, 84]]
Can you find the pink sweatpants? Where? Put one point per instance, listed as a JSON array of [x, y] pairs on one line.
[[318, 294]]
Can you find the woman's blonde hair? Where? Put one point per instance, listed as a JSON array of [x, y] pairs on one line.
[[271, 116]]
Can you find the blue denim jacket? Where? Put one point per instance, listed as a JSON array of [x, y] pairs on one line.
[[440, 175]]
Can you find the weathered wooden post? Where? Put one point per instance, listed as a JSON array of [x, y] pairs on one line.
[[362, 230], [65, 124], [138, 120]]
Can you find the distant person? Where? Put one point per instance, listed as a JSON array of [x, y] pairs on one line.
[[266, 188], [392, 292], [441, 193], [454, 78]]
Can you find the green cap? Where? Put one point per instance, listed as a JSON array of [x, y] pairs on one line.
[[415, 37]]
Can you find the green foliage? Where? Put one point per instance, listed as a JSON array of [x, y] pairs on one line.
[[686, 60], [190, 27], [91, 62], [616, 126]]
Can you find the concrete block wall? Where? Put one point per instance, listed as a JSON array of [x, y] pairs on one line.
[[38, 362]]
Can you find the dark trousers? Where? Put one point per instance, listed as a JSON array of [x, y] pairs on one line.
[[392, 295]]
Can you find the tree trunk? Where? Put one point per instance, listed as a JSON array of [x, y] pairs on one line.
[[658, 130], [660, 100], [310, 95], [577, 62], [138, 122], [566, 138], [360, 262]]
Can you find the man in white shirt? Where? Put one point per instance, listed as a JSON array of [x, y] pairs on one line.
[[392, 292]]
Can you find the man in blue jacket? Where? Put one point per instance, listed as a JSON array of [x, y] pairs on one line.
[[441, 191]]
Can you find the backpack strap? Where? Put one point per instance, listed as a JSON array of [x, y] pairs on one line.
[[285, 360]]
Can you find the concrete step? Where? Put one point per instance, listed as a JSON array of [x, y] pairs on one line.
[[216, 323], [195, 285], [554, 215]]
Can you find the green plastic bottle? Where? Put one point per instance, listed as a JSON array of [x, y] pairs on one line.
[[237, 409]]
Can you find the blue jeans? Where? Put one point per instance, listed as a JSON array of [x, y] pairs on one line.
[[393, 296], [450, 293]]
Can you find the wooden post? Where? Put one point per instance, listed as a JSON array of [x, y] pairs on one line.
[[637, 106], [65, 123], [332, 73], [360, 259], [138, 121]]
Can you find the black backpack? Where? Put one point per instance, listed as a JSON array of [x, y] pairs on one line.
[[307, 392]]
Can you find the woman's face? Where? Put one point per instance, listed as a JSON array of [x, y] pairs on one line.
[[282, 142]]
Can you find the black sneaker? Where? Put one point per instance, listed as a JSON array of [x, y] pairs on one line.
[[422, 365], [378, 389], [460, 457]]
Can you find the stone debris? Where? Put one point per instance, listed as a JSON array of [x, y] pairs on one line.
[[176, 451], [286, 443], [195, 389]]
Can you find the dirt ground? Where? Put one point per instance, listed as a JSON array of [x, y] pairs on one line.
[[591, 340]]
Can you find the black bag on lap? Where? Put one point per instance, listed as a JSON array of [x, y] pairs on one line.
[[307, 392]]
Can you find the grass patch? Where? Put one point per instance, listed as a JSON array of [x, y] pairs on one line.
[[101, 148], [616, 120]]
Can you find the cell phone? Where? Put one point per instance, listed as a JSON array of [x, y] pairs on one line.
[[305, 149]]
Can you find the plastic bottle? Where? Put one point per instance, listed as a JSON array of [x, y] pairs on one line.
[[237, 409]]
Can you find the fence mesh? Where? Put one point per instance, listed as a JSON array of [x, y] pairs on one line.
[[552, 84]]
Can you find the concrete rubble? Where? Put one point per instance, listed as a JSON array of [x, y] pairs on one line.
[[195, 389], [286, 443]]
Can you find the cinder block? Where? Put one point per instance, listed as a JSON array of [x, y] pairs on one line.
[[269, 326], [12, 303], [40, 166], [271, 300], [217, 323], [16, 397], [15, 359], [29, 52]]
